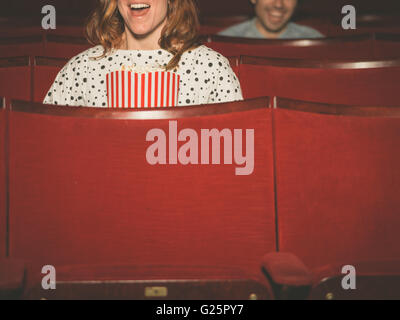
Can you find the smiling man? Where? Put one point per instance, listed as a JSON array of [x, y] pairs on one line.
[[272, 21]]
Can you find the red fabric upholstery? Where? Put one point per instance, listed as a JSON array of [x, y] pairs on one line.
[[374, 86], [21, 30], [65, 48], [2, 183], [22, 46], [337, 187], [81, 192], [234, 62], [357, 48], [12, 274], [44, 76], [43, 79], [75, 30], [15, 81], [387, 47]]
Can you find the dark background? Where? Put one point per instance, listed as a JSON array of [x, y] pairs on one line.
[[77, 9]]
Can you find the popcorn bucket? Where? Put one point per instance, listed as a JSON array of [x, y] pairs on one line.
[[128, 89]]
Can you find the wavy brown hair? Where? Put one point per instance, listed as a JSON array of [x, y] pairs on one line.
[[106, 27]]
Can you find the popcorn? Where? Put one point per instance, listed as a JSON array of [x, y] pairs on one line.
[[143, 69]]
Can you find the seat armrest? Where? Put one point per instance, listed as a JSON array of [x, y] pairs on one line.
[[12, 278], [289, 277]]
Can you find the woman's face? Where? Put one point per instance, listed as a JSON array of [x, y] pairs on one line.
[[142, 17]]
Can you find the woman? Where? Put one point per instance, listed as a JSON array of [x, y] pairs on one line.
[[144, 37]]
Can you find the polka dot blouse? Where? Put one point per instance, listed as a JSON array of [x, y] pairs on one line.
[[205, 76]]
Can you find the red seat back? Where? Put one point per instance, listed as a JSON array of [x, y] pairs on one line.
[[82, 192], [3, 219], [337, 184], [387, 46], [15, 78], [22, 46], [358, 47], [45, 71], [369, 83], [64, 46], [234, 63]]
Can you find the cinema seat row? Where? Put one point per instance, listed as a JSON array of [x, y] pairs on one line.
[[366, 46], [81, 196], [355, 83], [330, 25]]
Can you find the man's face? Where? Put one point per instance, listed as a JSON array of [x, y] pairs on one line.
[[274, 15]]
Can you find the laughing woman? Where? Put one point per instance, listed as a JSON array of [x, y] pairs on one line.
[[146, 54]]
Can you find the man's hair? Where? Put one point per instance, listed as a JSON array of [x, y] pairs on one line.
[[106, 26]]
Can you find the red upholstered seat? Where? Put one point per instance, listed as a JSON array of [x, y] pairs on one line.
[[22, 46], [353, 83], [337, 185], [357, 47], [15, 78], [45, 71], [82, 192], [387, 46], [3, 218], [234, 63], [64, 46], [8, 28], [373, 22], [69, 28]]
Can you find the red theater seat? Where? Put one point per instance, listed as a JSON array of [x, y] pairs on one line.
[[357, 47], [337, 179], [234, 63], [80, 180], [45, 71], [387, 46], [22, 46], [3, 189], [353, 83], [64, 46], [8, 28], [367, 23], [15, 78]]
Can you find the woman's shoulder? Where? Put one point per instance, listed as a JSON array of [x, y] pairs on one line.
[[84, 57], [205, 55]]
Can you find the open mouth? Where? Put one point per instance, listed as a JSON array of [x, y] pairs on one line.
[[139, 6]]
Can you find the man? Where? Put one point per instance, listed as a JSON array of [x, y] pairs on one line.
[[272, 21]]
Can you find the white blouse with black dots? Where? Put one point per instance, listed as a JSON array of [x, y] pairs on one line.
[[205, 76]]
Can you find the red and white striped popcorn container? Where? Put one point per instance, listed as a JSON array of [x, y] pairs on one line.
[[128, 89]]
